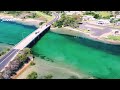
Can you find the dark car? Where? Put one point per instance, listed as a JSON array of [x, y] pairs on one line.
[[36, 32]]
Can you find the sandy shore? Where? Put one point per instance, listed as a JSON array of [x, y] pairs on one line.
[[58, 71], [75, 32]]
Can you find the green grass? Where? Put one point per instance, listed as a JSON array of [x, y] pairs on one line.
[[111, 37], [104, 13], [44, 15]]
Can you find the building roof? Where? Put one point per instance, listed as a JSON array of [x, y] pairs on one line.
[[89, 16]]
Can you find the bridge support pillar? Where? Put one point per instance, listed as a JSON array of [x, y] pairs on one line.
[[34, 41], [38, 37]]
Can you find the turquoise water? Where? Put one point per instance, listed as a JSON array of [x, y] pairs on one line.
[[93, 58], [12, 33]]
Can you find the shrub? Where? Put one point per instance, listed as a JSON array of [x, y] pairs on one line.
[[41, 23], [73, 77], [48, 76], [32, 75], [97, 16], [32, 63]]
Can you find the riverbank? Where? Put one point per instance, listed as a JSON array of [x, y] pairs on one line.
[[27, 21], [64, 30], [19, 72], [59, 71], [4, 48], [78, 33]]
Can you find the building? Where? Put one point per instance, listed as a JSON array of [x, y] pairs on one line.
[[117, 16], [73, 12], [88, 17], [118, 23], [103, 22]]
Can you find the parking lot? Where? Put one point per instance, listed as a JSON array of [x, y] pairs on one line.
[[97, 30]]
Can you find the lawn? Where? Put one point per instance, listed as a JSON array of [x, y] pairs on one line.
[[111, 37], [104, 13], [44, 15]]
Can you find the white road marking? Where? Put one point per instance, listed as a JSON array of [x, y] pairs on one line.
[[6, 57]]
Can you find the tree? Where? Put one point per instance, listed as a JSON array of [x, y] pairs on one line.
[[48, 76], [22, 57], [107, 17], [32, 75], [97, 16], [112, 20], [41, 23], [89, 13], [47, 12], [67, 20], [27, 51], [32, 63], [73, 77]]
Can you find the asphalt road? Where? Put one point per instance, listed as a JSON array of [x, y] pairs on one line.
[[6, 58]]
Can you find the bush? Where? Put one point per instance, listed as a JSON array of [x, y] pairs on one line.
[[41, 23], [89, 13], [97, 16], [8, 49], [32, 75], [48, 76], [107, 17], [27, 50], [118, 19], [3, 53], [73, 77], [32, 63]]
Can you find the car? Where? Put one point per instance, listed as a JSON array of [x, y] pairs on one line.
[[36, 32]]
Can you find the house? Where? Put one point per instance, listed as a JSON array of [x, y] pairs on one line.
[[118, 23], [88, 17], [118, 16], [73, 12], [103, 22]]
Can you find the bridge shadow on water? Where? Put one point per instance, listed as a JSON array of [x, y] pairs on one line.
[[108, 48], [38, 38]]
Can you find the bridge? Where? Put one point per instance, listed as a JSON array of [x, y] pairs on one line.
[[4, 61]]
